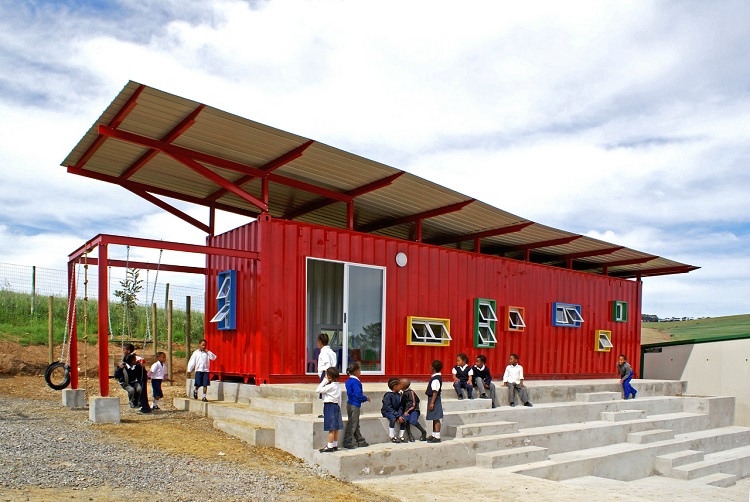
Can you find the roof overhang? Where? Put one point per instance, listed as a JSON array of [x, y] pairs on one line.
[[158, 145]]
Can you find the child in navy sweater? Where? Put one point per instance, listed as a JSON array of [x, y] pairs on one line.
[[435, 407], [410, 408], [462, 374], [483, 380], [392, 409], [354, 399]]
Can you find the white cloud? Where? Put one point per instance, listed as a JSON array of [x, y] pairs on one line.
[[618, 120]]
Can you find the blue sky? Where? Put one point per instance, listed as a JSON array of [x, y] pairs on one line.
[[624, 121]]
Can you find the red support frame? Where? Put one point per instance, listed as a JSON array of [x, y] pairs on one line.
[[102, 241], [480, 235], [541, 244], [170, 209], [379, 225]]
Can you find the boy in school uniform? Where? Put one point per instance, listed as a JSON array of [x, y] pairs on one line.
[[483, 380], [354, 400], [513, 379], [157, 374], [200, 362], [435, 406], [462, 376]]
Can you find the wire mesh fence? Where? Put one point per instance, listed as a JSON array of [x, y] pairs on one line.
[[24, 303]]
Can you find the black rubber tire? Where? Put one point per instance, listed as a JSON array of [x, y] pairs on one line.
[[50, 371]]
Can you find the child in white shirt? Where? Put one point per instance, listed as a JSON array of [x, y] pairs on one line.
[[200, 362], [157, 373], [513, 379], [332, 421]]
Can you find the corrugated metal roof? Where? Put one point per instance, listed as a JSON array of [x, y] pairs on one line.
[[152, 133]]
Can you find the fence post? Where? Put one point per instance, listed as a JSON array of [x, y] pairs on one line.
[[50, 330], [154, 324], [166, 300], [169, 341], [33, 287], [187, 328]]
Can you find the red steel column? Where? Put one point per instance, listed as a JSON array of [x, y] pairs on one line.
[[73, 347], [103, 322]]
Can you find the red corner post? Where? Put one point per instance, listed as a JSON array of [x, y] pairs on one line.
[[103, 322], [73, 332]]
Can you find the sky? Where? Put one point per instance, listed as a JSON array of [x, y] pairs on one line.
[[623, 121]]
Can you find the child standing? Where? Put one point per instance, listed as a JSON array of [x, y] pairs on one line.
[[483, 379], [392, 408], [462, 376], [157, 374], [435, 408], [354, 399], [410, 408], [326, 358], [331, 391], [513, 379], [626, 374], [200, 362]]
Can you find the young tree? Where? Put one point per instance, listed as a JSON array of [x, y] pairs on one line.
[[128, 296]]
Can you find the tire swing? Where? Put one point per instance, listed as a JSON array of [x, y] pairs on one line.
[[57, 374]]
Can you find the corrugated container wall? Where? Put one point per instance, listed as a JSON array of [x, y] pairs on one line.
[[269, 342]]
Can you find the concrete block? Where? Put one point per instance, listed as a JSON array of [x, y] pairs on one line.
[[665, 463], [280, 406], [651, 436], [191, 405], [482, 429], [718, 479], [104, 410], [590, 397], [512, 456], [622, 415], [74, 398], [695, 470], [257, 436]]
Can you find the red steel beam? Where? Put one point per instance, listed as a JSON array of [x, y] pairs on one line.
[[115, 122], [542, 244], [170, 209], [682, 269], [102, 239], [270, 166], [161, 191], [480, 235], [172, 135], [151, 266], [356, 192], [103, 322], [219, 162], [378, 225], [219, 180], [623, 263]]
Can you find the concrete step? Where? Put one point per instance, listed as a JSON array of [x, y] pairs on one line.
[[512, 456], [665, 463], [280, 406], [718, 479], [622, 415], [651, 436], [482, 429], [590, 397], [257, 436], [695, 470]]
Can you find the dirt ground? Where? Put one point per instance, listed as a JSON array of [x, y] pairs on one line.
[[169, 430]]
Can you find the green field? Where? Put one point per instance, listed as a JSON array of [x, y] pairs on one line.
[[703, 329]]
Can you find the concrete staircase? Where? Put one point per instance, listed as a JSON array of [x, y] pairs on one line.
[[577, 430]]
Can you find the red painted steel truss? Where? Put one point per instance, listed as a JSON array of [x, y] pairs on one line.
[[102, 262]]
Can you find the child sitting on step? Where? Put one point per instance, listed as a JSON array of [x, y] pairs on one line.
[[410, 407], [462, 376], [513, 379], [483, 379], [392, 409], [332, 422], [435, 406]]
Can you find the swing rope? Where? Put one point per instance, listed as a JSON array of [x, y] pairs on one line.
[[86, 319], [148, 336]]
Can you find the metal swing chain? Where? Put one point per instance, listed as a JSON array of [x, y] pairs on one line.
[[153, 294], [109, 317], [127, 264], [86, 319]]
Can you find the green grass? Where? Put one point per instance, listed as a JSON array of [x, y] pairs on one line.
[[704, 329], [18, 324]]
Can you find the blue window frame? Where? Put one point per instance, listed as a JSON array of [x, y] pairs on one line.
[[226, 312]]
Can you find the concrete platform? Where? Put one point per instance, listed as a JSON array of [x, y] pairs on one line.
[[104, 410], [74, 398]]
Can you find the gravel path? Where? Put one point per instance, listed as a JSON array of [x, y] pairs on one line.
[[42, 448]]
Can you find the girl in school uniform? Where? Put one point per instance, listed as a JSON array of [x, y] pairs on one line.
[[330, 389]]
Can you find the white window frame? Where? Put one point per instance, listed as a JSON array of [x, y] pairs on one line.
[[430, 338], [515, 325], [224, 289], [604, 342], [485, 319], [491, 339], [568, 315], [222, 313]]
